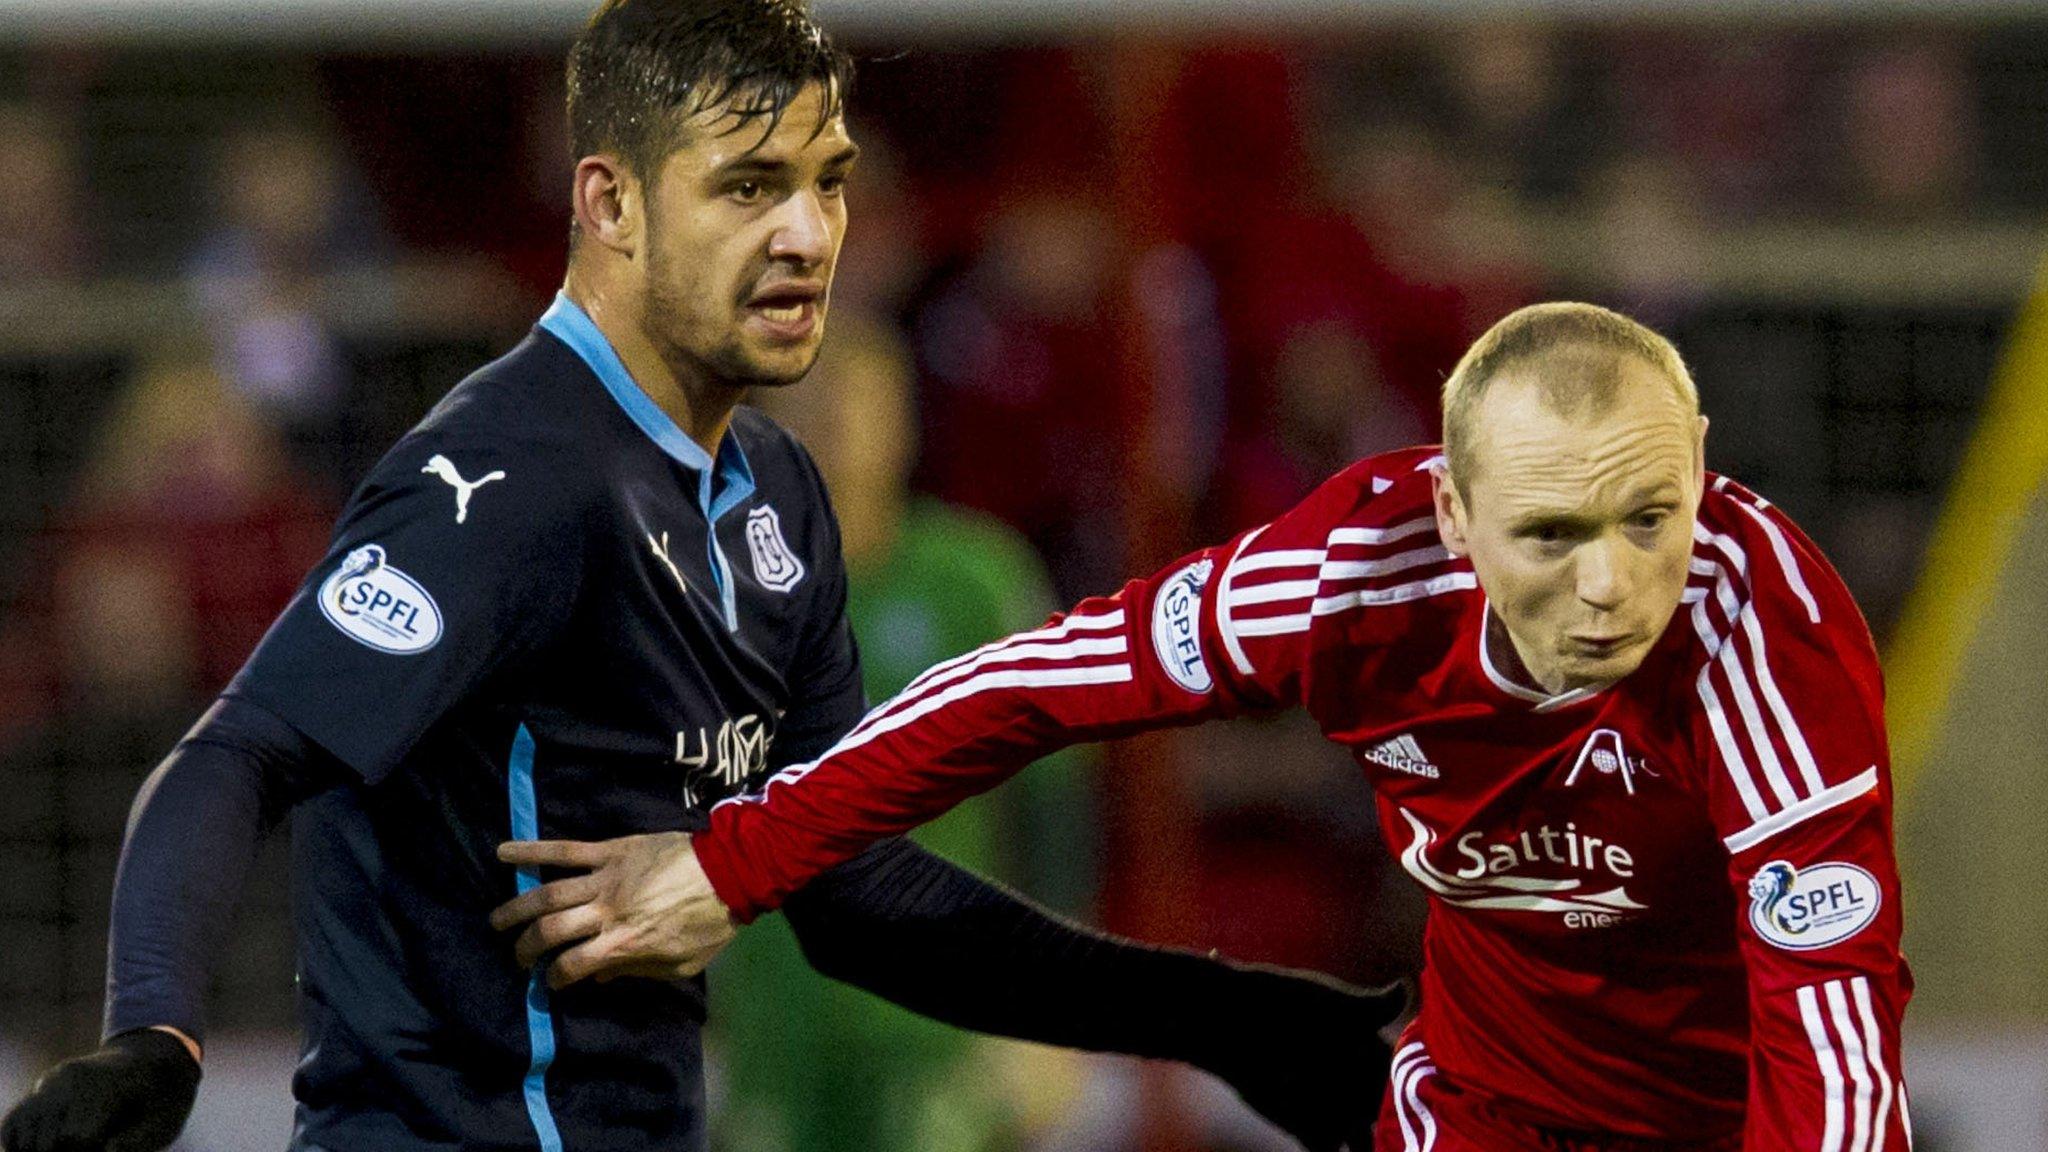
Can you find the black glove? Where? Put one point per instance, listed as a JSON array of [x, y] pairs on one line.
[[1304, 1050], [130, 1096]]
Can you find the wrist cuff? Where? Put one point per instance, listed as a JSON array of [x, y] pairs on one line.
[[159, 1049]]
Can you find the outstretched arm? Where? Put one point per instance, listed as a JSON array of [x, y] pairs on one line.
[[1223, 631], [663, 904], [1154, 655], [1220, 632]]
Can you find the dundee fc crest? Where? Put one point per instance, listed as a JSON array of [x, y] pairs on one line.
[[775, 566]]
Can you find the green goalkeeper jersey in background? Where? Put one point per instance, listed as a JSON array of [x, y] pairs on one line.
[[817, 1066]]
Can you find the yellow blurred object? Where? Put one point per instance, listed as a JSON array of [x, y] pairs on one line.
[[1987, 504], [1969, 738]]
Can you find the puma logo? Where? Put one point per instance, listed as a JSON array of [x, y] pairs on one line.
[[445, 468], [661, 553]]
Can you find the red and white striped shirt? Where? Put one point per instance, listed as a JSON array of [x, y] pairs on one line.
[[1665, 910]]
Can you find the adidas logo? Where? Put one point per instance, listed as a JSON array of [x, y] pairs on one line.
[[1403, 754]]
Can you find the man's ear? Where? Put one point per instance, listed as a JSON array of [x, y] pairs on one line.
[[1450, 510], [1699, 451], [608, 204]]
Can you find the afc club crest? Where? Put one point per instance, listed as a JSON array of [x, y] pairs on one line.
[[775, 566], [380, 607], [1606, 755]]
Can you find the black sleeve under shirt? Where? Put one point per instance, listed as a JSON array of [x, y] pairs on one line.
[[932, 937], [192, 833]]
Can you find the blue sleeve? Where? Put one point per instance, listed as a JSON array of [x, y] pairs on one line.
[[191, 836], [458, 557]]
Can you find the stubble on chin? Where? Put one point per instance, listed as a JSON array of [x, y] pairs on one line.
[[801, 365], [665, 322]]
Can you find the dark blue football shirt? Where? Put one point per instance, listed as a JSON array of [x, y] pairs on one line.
[[547, 613]]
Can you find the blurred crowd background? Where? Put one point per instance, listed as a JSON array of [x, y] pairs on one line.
[[1106, 296]]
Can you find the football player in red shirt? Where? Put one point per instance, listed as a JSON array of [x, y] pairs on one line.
[[1623, 721]]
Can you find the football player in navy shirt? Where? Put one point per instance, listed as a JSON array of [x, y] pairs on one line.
[[589, 596]]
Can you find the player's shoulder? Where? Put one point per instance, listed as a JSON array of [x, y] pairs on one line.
[[1748, 553], [522, 420], [536, 396], [1380, 499], [1359, 558]]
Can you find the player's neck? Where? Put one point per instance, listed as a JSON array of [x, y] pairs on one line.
[[1507, 656], [701, 406], [1506, 653]]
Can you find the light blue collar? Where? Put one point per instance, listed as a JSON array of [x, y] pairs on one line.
[[720, 488]]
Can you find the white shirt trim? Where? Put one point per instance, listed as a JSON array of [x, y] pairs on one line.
[[1804, 810], [1225, 627]]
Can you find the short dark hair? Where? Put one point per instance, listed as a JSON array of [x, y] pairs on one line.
[[642, 67], [1584, 342]]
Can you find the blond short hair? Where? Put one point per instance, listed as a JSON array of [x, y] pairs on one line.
[[1589, 343]]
